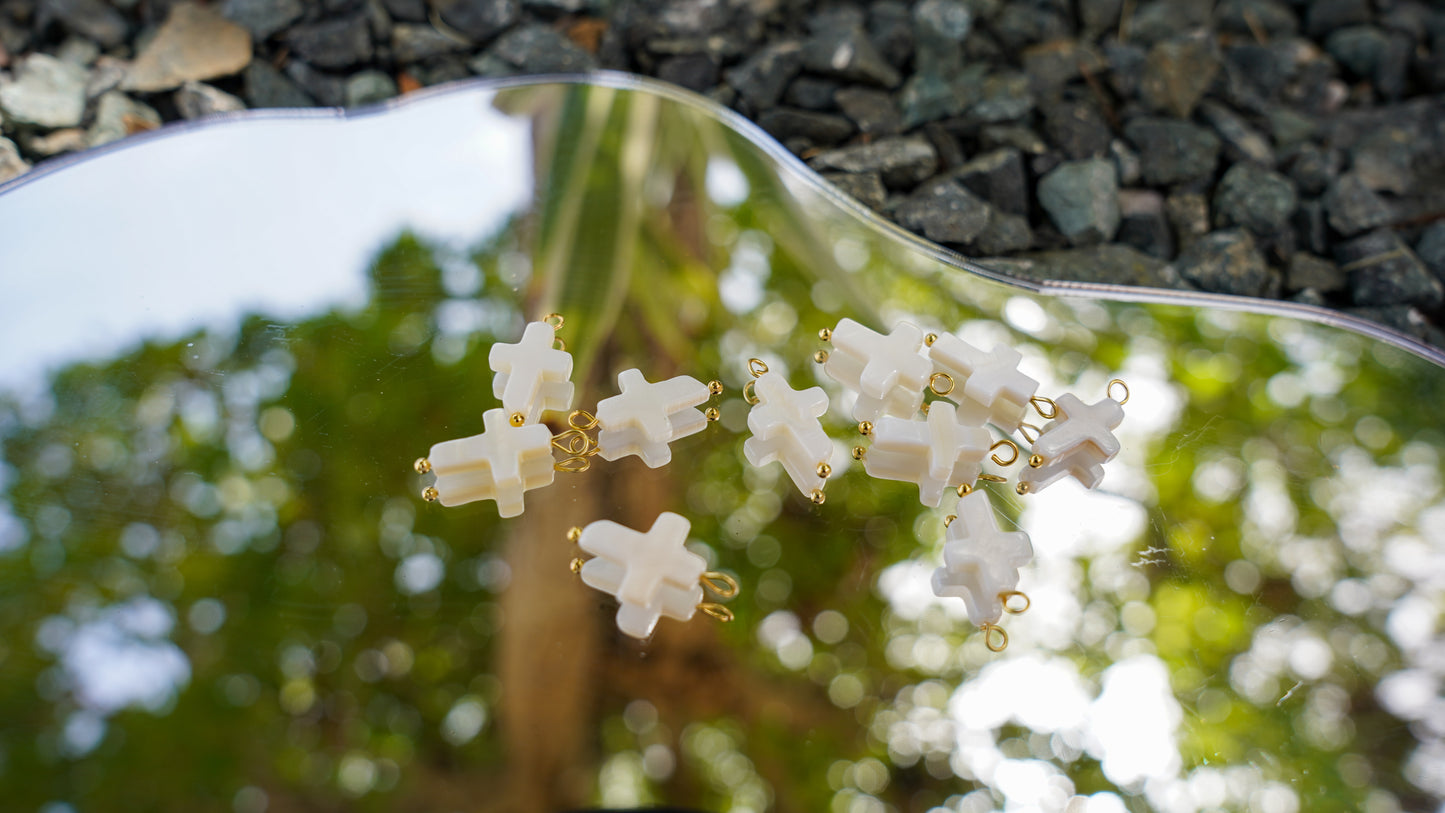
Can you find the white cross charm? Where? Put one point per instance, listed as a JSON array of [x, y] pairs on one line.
[[1079, 441], [500, 464], [785, 428], [646, 417], [532, 375], [988, 387], [887, 372], [651, 574], [934, 453], [980, 562]]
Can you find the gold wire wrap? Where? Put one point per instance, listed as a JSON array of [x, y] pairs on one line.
[[948, 520], [988, 637], [992, 478], [1039, 402], [573, 465], [422, 465], [588, 420], [574, 442], [559, 344], [1110, 391], [757, 367], [748, 394], [933, 383], [716, 610], [555, 320], [1010, 444], [1010, 594], [721, 584]]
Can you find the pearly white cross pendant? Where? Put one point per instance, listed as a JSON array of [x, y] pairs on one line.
[[786, 429], [652, 574], [980, 561], [500, 464], [935, 453], [532, 375], [1078, 441], [646, 417], [887, 372], [987, 387]]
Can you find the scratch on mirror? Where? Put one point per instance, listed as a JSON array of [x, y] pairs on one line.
[[1289, 694], [1152, 556], [1189, 439]]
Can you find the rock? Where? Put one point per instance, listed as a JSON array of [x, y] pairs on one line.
[[1393, 67], [117, 116], [77, 51], [902, 162], [1003, 97], [761, 78], [1110, 264], [1255, 198], [56, 142], [1309, 296], [696, 72], [45, 93], [1242, 142], [480, 20], [1082, 198], [555, 7], [368, 88], [820, 129], [950, 152], [332, 44], [412, 43], [1165, 19], [11, 164], [327, 88], [1078, 129], [1127, 162], [263, 17], [267, 87], [872, 110], [195, 100], [1126, 67], [1172, 151], [92, 19], [1098, 16], [407, 11], [1226, 262], [1358, 48], [1256, 17], [1021, 24], [1188, 214], [1177, 73], [194, 44], [1403, 318], [1382, 270], [105, 76], [536, 48], [1310, 273], [811, 93], [1289, 128], [1312, 168], [1353, 207], [1389, 159], [1431, 249], [844, 51], [1325, 16], [1311, 229], [1012, 136], [865, 187], [1051, 65], [944, 212], [928, 97], [1004, 234], [939, 29], [1143, 223], [999, 178], [890, 28]]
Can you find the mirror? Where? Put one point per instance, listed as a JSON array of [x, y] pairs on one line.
[[224, 345]]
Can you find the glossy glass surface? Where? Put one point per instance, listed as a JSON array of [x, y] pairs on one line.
[[220, 589]]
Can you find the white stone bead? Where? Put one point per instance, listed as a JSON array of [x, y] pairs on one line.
[[532, 376], [1078, 442], [500, 464], [980, 561], [987, 387], [786, 429], [887, 372], [652, 574], [935, 453], [646, 417]]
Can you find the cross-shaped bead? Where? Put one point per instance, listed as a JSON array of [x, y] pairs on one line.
[[646, 417], [886, 372], [500, 464], [532, 375], [935, 453], [980, 561], [1078, 442], [785, 428], [988, 387], [651, 574]]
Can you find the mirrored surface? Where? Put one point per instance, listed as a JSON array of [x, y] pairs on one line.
[[223, 590]]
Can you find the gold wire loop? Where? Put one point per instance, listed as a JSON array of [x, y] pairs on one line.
[[948, 520], [555, 320], [573, 442], [716, 610], [1039, 403], [559, 344], [721, 584], [1110, 391], [588, 421], [573, 465], [1026, 428], [994, 645], [992, 478], [748, 394], [1006, 595], [757, 367], [1012, 446], [933, 383]]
